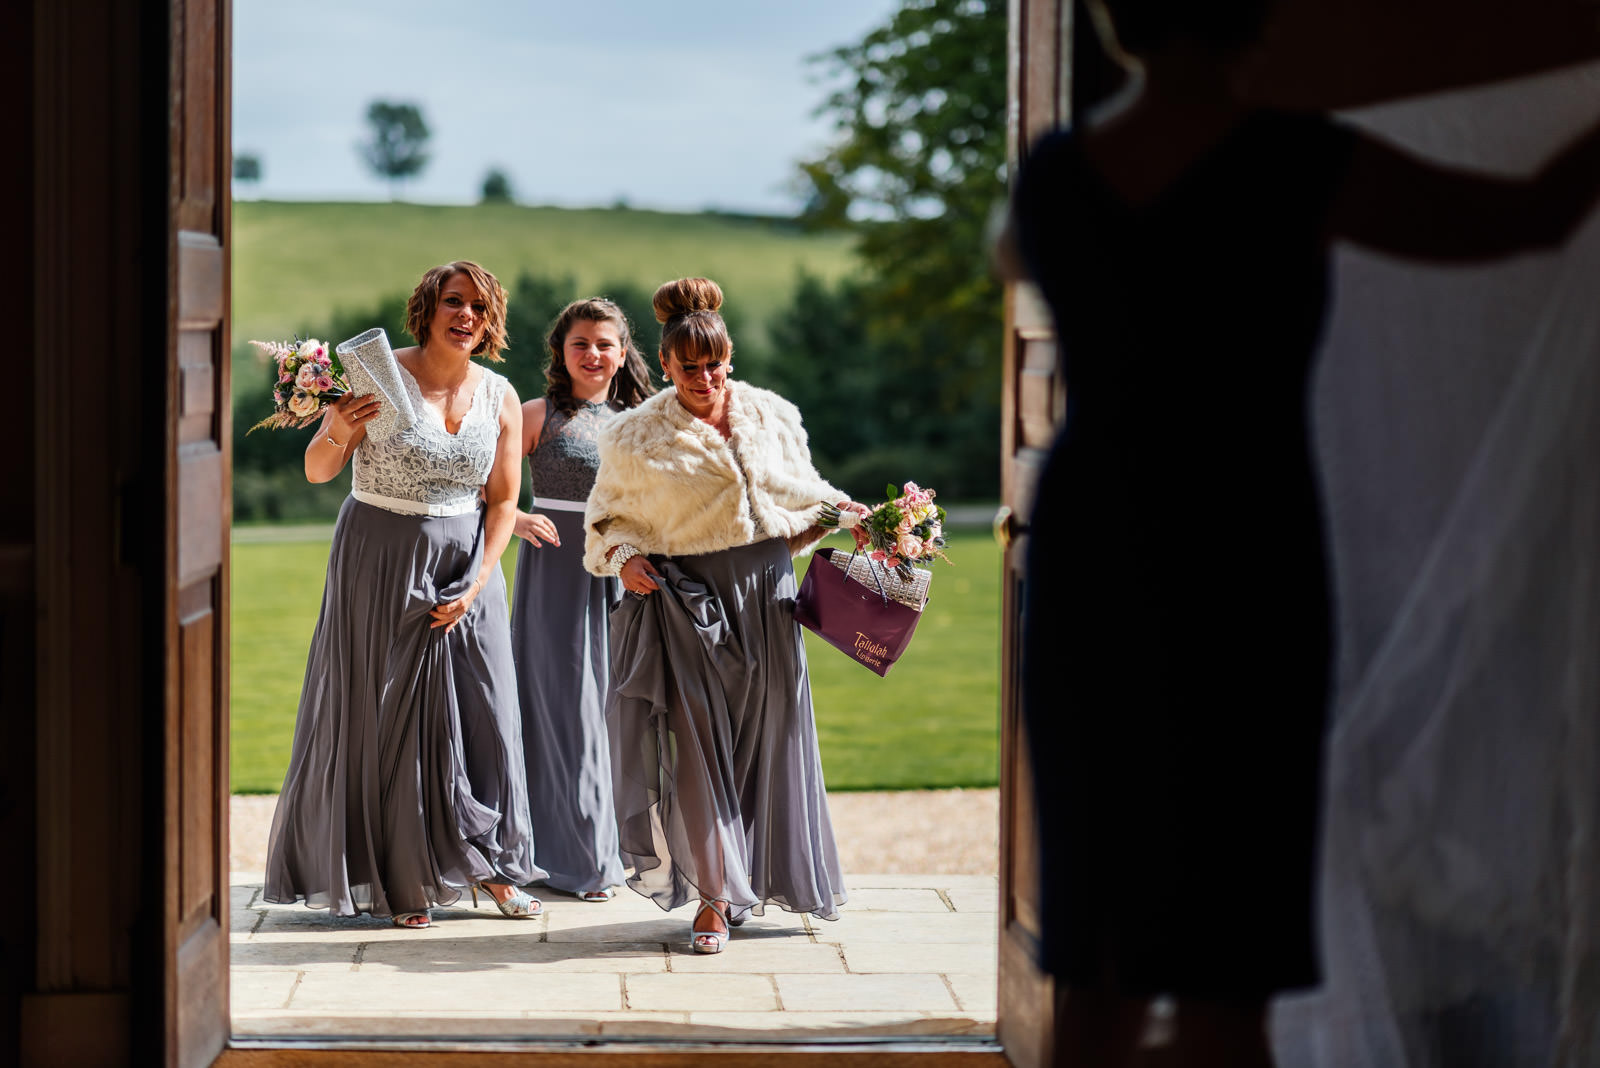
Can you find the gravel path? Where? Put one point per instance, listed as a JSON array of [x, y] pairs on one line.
[[932, 832]]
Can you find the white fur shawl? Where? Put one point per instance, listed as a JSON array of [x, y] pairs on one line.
[[670, 484]]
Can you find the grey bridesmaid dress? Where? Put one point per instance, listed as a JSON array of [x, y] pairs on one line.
[[560, 639], [405, 782], [719, 789]]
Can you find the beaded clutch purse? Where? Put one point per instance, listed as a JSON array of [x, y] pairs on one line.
[[370, 366], [912, 593]]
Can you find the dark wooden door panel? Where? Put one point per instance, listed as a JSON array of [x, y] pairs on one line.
[[198, 495], [1033, 400]]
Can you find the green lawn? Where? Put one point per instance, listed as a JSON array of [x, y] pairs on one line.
[[932, 722], [294, 264]]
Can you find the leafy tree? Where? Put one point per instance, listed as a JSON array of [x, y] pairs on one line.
[[397, 147], [867, 425], [247, 168], [496, 187], [918, 170]]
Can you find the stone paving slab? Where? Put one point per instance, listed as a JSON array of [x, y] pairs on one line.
[[938, 957], [901, 899], [920, 992], [908, 928], [753, 956], [681, 992], [910, 955], [489, 988], [975, 992], [262, 989], [546, 958], [854, 882], [973, 899]]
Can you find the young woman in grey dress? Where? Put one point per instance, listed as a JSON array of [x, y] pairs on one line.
[[560, 613], [703, 494], [405, 782]]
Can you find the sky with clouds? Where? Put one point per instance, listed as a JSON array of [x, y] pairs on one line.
[[679, 105]]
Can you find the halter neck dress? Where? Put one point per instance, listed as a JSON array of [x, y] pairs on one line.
[[405, 782]]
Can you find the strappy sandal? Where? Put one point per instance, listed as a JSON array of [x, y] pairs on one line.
[[409, 920], [596, 897], [517, 906], [708, 941]]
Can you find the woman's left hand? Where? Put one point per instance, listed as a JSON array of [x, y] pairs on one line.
[[448, 613], [858, 531]]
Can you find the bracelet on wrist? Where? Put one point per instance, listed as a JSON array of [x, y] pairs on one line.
[[335, 444], [619, 556]]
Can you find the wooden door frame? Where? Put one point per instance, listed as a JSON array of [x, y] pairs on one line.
[[91, 613]]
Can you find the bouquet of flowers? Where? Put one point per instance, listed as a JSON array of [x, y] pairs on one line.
[[908, 527], [310, 378]]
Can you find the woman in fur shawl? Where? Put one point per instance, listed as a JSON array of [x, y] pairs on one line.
[[703, 494]]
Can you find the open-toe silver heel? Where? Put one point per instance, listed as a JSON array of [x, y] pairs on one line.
[[410, 920], [518, 906], [708, 941]]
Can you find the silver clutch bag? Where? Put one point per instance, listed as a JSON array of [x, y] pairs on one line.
[[912, 593], [370, 365]]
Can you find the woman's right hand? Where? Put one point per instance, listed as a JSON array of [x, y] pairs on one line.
[[351, 413], [638, 576], [531, 526]]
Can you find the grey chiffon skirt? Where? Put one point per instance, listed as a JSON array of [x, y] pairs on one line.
[[560, 630], [405, 782], [718, 781]]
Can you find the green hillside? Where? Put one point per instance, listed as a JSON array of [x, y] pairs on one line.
[[296, 264], [933, 722]]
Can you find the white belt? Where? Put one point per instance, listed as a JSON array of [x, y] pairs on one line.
[[460, 506], [546, 504]]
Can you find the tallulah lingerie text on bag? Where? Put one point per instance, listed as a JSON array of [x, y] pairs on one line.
[[861, 608]]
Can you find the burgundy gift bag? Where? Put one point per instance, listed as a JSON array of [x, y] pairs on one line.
[[861, 608]]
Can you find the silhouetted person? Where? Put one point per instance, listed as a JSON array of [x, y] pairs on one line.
[[1178, 632]]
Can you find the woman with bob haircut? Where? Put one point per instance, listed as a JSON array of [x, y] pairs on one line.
[[560, 614], [405, 783], [704, 493]]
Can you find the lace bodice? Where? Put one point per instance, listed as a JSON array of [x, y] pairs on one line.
[[425, 463], [565, 460]]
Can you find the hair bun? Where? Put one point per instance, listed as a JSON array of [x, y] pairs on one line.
[[686, 295]]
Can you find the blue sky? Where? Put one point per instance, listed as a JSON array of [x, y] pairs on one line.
[[673, 104]]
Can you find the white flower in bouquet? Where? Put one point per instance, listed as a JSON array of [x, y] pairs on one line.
[[304, 404]]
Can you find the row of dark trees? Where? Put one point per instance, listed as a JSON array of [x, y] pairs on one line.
[[897, 371], [820, 354]]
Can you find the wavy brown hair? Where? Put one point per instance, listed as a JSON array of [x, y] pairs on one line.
[[424, 303], [691, 322], [629, 386]]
